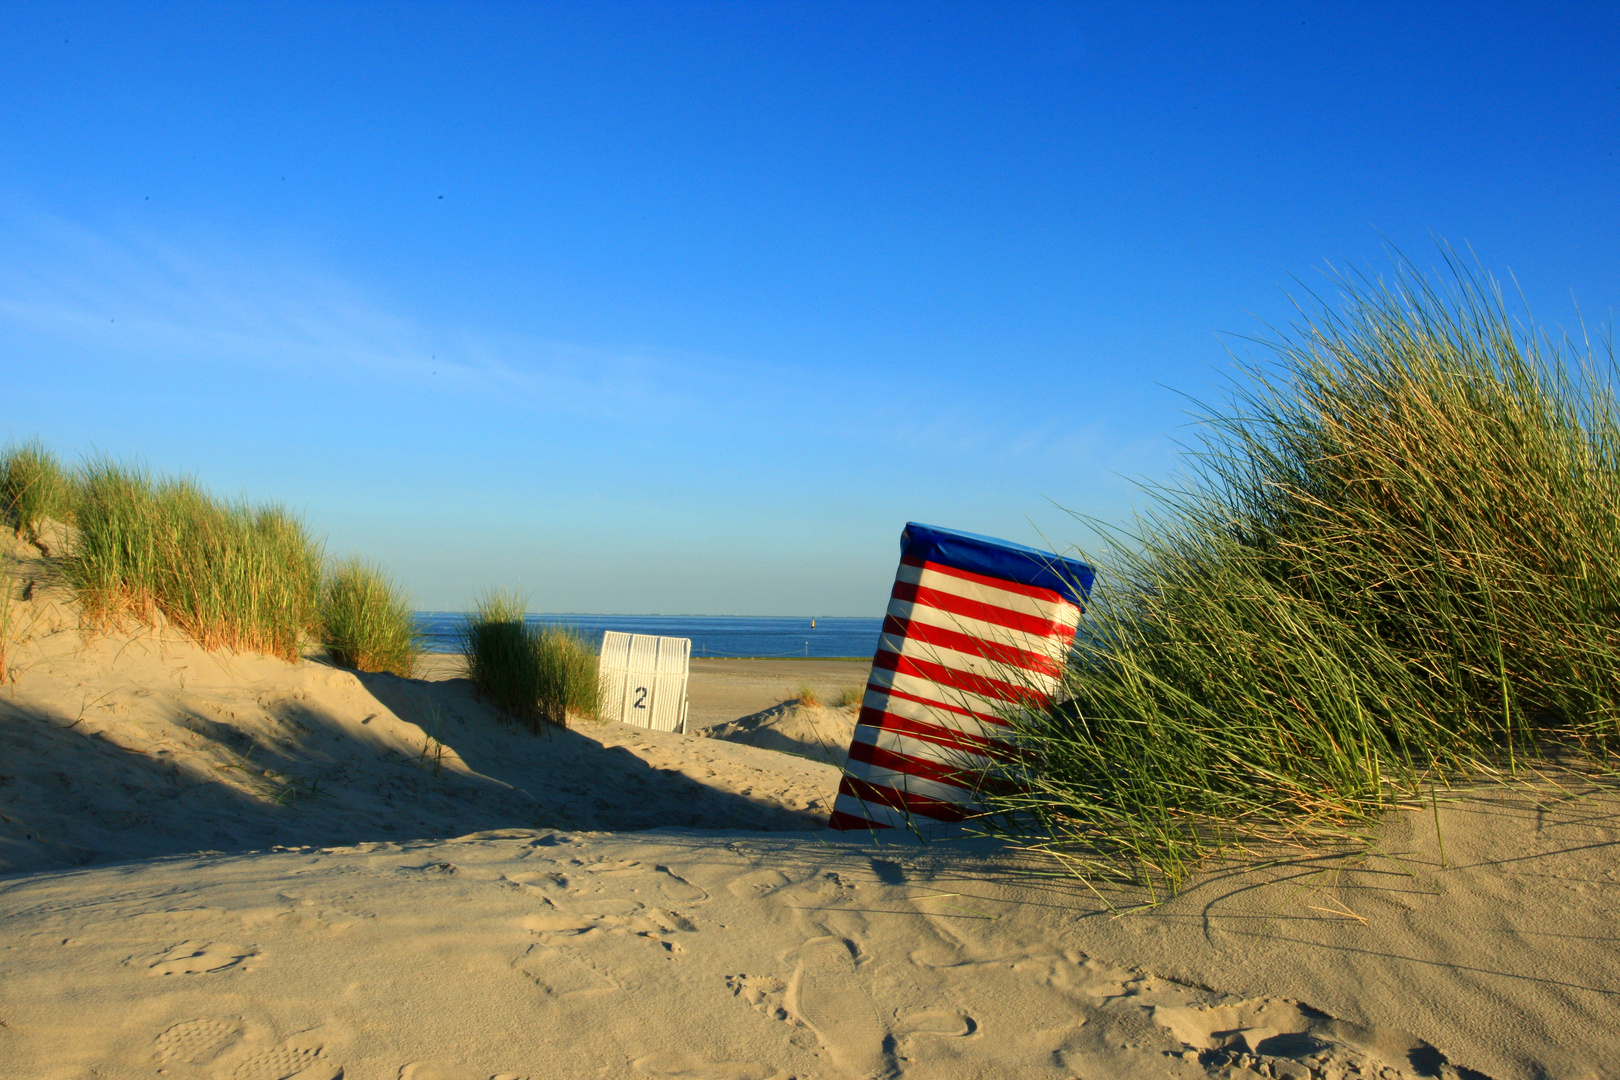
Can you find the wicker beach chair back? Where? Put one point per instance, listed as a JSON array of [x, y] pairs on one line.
[[644, 680]]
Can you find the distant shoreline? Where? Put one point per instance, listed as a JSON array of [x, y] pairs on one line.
[[758, 637], [601, 615]]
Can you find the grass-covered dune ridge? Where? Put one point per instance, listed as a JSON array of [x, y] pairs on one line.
[[1395, 562], [252, 577], [230, 574]]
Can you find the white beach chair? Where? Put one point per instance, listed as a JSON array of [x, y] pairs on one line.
[[644, 680]]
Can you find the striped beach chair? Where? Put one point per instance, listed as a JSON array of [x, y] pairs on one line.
[[977, 630]]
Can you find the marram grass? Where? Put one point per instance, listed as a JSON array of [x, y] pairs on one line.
[[533, 674], [850, 696], [366, 620], [569, 681], [1395, 563], [495, 649], [228, 574], [33, 487]]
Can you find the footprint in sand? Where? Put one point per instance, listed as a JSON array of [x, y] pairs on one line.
[[691, 1068], [610, 919], [934, 1022], [287, 1064], [302, 1057], [677, 888], [196, 1042], [665, 880], [544, 884], [582, 875], [763, 992], [757, 884], [826, 996], [1295, 1038], [197, 958], [434, 1070], [561, 975], [556, 921]]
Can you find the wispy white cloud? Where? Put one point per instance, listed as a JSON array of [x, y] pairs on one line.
[[204, 298], [141, 294]]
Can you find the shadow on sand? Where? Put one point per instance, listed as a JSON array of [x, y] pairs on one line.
[[302, 776]]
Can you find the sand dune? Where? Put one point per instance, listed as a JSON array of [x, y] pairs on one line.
[[818, 733], [139, 743], [227, 867]]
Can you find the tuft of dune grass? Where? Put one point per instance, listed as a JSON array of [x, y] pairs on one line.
[[569, 675], [33, 487], [536, 675], [495, 649], [808, 696], [1395, 563], [228, 574], [850, 696], [366, 619]]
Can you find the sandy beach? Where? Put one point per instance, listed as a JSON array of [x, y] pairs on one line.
[[221, 865], [1110, 514]]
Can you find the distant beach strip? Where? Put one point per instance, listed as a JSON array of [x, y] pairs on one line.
[[712, 635]]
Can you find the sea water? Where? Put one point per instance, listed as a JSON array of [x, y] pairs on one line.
[[712, 635]]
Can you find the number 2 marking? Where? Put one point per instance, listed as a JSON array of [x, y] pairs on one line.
[[641, 698]]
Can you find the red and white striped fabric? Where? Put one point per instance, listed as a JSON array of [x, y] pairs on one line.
[[977, 629]]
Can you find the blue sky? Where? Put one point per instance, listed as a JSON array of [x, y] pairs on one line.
[[688, 308]]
